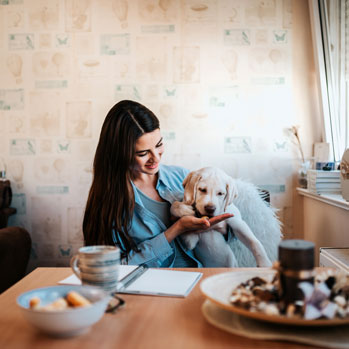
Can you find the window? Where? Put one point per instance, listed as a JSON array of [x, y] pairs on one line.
[[330, 32]]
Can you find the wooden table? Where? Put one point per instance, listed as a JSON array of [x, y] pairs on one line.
[[145, 322]]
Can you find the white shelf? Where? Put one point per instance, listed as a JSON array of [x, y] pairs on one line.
[[331, 199]]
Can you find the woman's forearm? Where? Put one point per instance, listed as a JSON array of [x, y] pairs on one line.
[[173, 231]]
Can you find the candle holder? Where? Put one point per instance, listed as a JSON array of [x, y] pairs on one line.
[[296, 264]]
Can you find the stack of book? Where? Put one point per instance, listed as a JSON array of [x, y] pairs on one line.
[[321, 182]]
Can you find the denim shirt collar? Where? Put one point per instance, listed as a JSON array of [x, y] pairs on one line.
[[163, 177]]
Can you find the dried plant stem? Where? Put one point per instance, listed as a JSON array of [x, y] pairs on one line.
[[300, 148], [294, 130]]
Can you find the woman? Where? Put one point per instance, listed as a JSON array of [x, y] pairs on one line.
[[131, 193]]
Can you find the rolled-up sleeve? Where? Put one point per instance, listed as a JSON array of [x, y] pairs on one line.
[[155, 252]]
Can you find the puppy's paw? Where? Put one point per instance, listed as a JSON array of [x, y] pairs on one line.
[[190, 240], [179, 209], [188, 210]]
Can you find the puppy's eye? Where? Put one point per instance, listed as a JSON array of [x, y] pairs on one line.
[[220, 193], [203, 190]]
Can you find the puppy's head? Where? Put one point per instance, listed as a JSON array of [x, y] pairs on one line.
[[209, 190]]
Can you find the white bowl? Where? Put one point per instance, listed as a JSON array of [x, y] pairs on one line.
[[64, 323]]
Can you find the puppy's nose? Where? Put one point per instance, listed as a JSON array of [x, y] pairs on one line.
[[210, 209]]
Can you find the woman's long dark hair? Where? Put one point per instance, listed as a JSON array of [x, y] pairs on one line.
[[110, 202]]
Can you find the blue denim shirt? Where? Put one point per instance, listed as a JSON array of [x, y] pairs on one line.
[[147, 230]]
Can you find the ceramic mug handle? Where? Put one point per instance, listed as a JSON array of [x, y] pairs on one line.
[[74, 266]]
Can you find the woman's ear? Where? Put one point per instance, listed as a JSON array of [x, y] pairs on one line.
[[232, 192], [190, 184]]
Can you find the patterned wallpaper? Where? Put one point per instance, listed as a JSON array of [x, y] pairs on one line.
[[217, 73]]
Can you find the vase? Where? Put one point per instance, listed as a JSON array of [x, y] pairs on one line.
[[345, 175], [302, 174]]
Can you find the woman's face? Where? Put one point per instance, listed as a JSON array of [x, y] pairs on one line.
[[148, 152]]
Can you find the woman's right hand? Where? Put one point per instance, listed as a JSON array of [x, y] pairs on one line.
[[193, 224], [220, 218]]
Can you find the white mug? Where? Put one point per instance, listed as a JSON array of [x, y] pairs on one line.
[[97, 266]]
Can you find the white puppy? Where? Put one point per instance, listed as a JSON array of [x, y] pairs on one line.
[[210, 192]]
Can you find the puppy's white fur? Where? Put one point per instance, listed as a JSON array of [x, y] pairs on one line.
[[210, 192]]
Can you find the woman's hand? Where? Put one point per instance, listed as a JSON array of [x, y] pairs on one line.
[[217, 219], [193, 224]]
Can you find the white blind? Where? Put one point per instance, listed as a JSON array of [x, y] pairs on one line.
[[346, 25], [330, 27], [346, 40]]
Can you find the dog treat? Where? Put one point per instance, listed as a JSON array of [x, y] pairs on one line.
[[72, 300], [58, 304], [327, 298], [205, 217], [34, 302], [77, 300]]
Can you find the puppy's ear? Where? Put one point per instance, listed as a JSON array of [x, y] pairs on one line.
[[232, 192], [190, 184]]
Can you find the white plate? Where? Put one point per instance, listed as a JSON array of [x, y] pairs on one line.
[[218, 289]]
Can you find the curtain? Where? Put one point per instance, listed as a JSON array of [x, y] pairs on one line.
[[330, 33]]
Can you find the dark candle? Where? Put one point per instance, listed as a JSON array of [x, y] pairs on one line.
[[296, 264]]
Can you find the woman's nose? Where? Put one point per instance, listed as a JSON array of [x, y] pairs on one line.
[[156, 155]]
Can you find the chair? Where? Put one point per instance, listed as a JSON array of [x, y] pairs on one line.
[[15, 246], [15, 242]]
